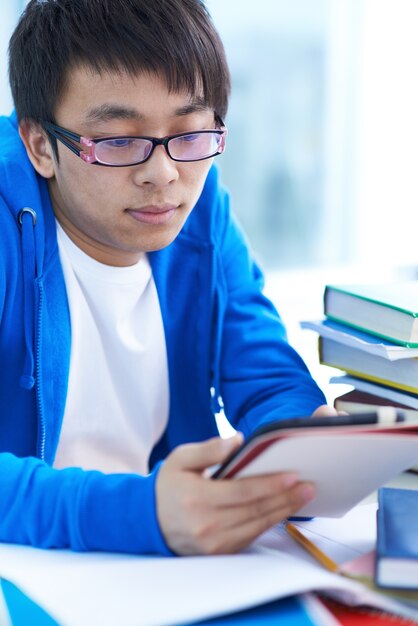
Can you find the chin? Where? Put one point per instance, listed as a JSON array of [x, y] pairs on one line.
[[153, 244]]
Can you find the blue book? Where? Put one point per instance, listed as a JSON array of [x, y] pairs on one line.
[[397, 538]]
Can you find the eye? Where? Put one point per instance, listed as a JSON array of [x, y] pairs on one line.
[[120, 142], [189, 138]]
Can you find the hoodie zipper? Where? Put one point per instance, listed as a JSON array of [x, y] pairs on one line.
[[38, 387], [33, 307]]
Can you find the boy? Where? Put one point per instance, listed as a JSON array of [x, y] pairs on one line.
[[129, 301]]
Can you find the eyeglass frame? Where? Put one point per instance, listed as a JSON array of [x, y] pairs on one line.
[[64, 135]]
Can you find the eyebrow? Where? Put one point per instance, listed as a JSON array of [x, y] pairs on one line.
[[194, 106], [107, 112]]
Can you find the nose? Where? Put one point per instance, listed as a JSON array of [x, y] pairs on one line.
[[159, 170]]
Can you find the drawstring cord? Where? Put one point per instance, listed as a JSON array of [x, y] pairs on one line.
[[27, 221]]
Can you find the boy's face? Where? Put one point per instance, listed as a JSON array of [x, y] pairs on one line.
[[115, 214]]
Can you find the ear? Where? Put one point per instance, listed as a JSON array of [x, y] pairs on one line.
[[38, 148]]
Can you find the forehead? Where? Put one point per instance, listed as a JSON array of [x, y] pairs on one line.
[[90, 96]]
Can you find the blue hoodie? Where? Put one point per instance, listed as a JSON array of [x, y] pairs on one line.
[[224, 340]]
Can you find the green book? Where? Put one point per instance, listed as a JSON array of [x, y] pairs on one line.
[[386, 310]]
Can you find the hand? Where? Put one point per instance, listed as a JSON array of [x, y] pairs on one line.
[[198, 515]]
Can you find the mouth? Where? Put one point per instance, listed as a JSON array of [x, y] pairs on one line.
[[153, 214]]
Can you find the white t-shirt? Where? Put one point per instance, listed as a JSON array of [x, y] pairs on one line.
[[118, 390]]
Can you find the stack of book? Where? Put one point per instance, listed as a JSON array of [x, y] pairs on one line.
[[371, 333]]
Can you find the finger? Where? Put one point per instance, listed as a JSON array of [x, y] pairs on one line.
[[244, 490], [324, 411], [237, 537], [284, 504], [199, 456]]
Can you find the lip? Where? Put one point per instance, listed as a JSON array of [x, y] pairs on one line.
[[153, 213]]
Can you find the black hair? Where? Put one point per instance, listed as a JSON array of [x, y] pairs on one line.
[[174, 38]]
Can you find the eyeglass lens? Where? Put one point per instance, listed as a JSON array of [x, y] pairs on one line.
[[125, 150]]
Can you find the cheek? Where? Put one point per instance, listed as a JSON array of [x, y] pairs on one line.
[[85, 188], [194, 176]]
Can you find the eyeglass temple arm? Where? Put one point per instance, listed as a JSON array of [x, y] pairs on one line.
[[63, 136]]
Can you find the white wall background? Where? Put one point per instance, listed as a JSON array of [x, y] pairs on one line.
[[370, 197], [387, 134], [10, 10]]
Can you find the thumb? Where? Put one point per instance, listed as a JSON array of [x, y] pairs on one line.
[[324, 411], [199, 456]]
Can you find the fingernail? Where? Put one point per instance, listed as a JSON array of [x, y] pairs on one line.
[[308, 493], [289, 480], [232, 442]]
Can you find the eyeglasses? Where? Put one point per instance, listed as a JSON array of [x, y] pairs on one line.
[[124, 151]]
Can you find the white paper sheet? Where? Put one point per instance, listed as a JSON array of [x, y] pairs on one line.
[[342, 539], [355, 532]]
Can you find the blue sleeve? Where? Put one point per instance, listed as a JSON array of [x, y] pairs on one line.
[[262, 378], [77, 509]]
